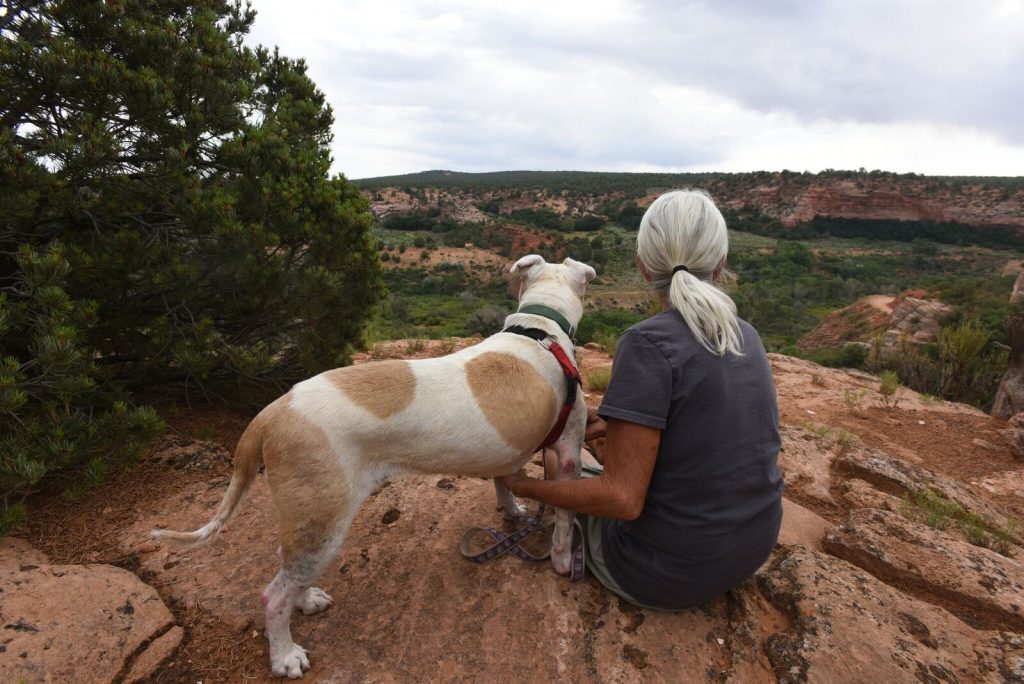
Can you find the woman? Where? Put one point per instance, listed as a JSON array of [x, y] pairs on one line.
[[689, 502]]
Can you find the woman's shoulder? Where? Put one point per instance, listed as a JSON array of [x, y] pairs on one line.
[[658, 325]]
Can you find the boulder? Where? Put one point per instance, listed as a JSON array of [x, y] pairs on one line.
[[980, 586], [78, 623], [806, 463], [847, 626], [859, 494], [914, 321], [408, 607], [896, 477], [801, 527], [1014, 435], [1009, 399]]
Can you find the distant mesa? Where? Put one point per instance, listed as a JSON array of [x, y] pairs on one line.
[[789, 197]]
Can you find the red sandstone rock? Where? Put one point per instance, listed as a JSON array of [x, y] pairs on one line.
[[78, 623], [847, 626], [978, 585], [897, 477], [1014, 434], [801, 527], [806, 464]]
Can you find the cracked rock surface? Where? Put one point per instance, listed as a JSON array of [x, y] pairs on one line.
[[77, 623]]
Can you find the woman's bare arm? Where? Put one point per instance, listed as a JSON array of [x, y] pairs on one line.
[[619, 492]]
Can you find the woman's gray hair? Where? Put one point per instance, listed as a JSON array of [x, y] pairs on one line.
[[684, 228]]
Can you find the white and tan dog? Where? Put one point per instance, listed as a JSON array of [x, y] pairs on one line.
[[330, 441]]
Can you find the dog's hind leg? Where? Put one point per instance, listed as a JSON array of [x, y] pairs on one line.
[[506, 502], [305, 555], [315, 500]]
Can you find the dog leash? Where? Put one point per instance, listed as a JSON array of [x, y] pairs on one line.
[[510, 543]]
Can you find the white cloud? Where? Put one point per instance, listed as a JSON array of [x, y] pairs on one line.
[[932, 87]]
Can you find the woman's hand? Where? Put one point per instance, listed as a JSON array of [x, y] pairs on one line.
[[510, 481], [596, 426]]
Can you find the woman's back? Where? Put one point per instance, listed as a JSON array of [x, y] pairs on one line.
[[713, 508]]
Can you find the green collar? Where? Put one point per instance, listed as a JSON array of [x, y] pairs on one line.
[[548, 312]]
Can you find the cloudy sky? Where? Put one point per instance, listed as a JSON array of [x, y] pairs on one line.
[[930, 86]]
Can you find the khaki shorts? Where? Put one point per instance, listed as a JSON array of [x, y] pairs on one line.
[[595, 550]]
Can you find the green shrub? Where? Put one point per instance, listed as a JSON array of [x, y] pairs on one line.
[[187, 176], [888, 389], [847, 356], [608, 340], [61, 424], [486, 321], [597, 379], [960, 353], [611, 322]]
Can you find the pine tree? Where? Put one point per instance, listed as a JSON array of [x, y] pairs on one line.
[[58, 425], [186, 174], [166, 217]]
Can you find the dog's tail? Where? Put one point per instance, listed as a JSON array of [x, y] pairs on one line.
[[248, 455]]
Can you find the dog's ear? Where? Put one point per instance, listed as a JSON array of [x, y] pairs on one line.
[[582, 274], [527, 264]]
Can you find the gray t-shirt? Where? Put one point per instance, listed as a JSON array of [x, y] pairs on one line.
[[714, 504]]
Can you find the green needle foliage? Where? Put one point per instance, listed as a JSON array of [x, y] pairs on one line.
[[58, 425], [187, 176], [166, 217]]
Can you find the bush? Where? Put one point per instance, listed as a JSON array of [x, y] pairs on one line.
[[598, 379], [187, 177], [610, 323], [61, 424], [847, 356], [608, 340], [588, 222], [486, 321], [888, 390], [960, 354]]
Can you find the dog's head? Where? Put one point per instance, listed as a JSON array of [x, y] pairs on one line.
[[534, 277]]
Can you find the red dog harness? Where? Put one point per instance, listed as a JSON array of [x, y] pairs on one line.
[[569, 370]]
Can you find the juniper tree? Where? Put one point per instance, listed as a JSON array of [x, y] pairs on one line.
[[166, 216], [58, 424], [186, 174]]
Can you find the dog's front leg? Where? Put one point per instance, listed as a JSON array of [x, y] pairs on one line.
[[567, 450], [506, 502]]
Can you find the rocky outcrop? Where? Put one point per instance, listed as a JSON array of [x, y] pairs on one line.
[[863, 586], [859, 322], [847, 626], [1014, 435], [899, 478], [914, 321], [1009, 399], [77, 623], [980, 586], [403, 596], [900, 321]]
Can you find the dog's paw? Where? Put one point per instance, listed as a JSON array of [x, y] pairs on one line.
[[313, 600], [513, 510], [291, 663]]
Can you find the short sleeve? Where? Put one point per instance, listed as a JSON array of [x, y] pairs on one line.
[[640, 390]]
